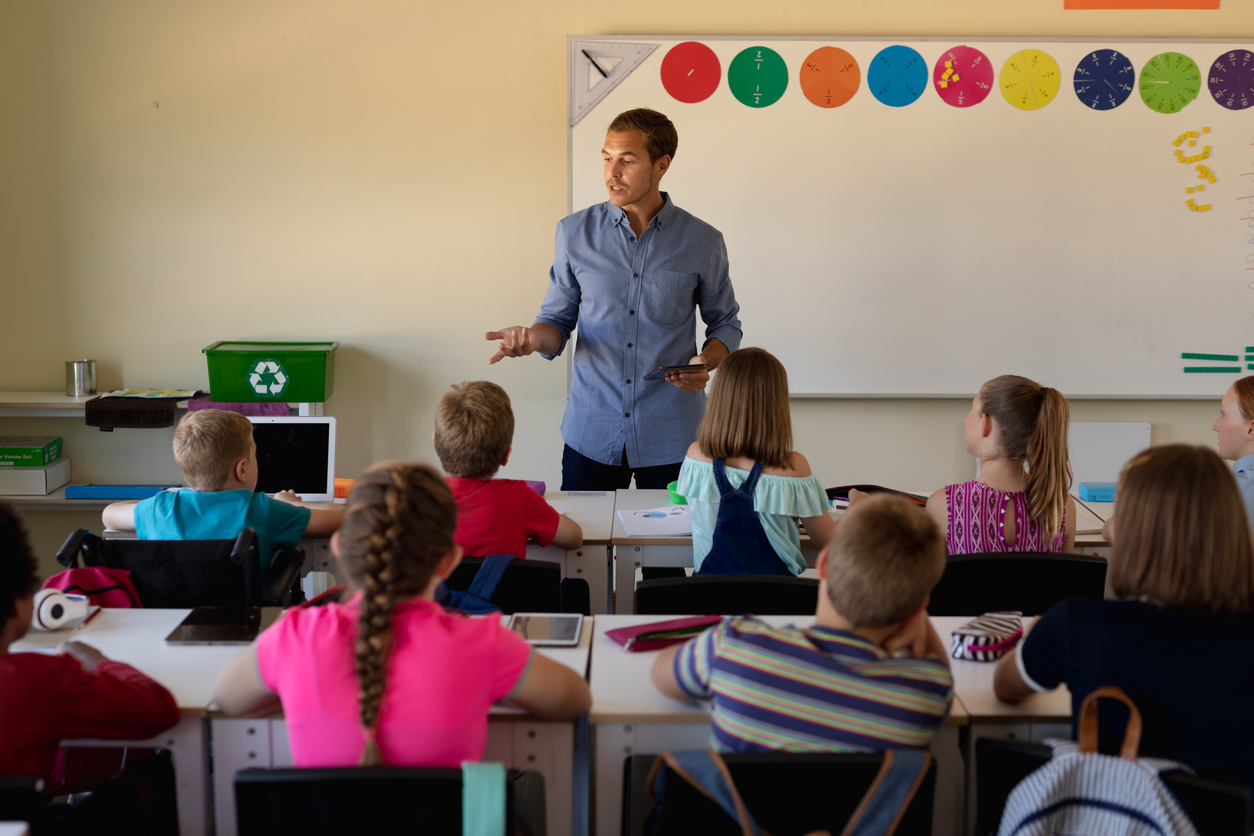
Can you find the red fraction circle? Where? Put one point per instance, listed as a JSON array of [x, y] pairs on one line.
[[691, 72]]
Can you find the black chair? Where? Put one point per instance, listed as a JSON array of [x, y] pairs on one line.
[[1029, 582], [193, 573], [526, 586], [785, 791], [340, 800], [1216, 808], [728, 595], [22, 798]]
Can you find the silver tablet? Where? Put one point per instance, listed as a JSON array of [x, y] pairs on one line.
[[548, 629]]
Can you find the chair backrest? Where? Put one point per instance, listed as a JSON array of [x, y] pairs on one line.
[[351, 800], [177, 573], [1029, 582], [526, 586], [22, 798], [1214, 806], [787, 793], [728, 595]]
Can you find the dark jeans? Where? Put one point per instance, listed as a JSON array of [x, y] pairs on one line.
[[580, 473]]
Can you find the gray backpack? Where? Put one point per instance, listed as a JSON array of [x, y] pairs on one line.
[[1081, 791]]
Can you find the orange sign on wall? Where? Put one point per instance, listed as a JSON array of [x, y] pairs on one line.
[[1141, 4]]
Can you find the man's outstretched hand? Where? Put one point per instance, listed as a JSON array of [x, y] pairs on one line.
[[516, 341]]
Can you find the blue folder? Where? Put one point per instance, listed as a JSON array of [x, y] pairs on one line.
[[113, 491]]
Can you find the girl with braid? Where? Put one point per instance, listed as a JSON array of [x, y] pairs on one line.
[[389, 677]]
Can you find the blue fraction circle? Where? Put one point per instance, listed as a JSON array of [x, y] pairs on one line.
[[897, 76], [1104, 79]]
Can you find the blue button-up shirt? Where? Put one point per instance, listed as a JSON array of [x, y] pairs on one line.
[[635, 304], [1243, 469]]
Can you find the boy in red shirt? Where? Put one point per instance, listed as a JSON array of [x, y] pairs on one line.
[[474, 428], [75, 693]]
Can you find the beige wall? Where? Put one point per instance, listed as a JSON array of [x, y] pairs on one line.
[[385, 173]]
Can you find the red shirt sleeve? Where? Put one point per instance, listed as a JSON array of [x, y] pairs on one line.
[[540, 517], [113, 701]]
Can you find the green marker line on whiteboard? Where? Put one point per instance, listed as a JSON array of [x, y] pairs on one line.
[[1231, 358], [1213, 369]]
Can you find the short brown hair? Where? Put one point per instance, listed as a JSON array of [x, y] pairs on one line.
[[748, 410], [884, 558], [397, 527], [660, 137], [1183, 538], [208, 443], [474, 428]]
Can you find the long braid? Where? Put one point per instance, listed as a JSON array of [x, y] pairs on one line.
[[398, 525]]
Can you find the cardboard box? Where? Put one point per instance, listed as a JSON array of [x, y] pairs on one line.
[[34, 481], [28, 451]]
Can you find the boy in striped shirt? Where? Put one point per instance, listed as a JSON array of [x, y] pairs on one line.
[[870, 674]]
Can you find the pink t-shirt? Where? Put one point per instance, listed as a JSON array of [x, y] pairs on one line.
[[444, 672]]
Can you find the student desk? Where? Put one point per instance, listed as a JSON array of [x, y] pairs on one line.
[[629, 717], [136, 638], [594, 560], [557, 750]]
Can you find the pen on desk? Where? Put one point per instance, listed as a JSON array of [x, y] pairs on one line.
[[1100, 518]]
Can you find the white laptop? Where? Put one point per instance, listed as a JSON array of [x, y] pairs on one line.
[[296, 454]]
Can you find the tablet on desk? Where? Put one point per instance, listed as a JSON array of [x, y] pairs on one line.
[[548, 629], [223, 625]]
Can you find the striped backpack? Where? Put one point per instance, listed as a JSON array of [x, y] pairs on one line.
[[1081, 791]]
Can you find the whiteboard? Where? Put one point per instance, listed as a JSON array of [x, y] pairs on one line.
[[918, 251]]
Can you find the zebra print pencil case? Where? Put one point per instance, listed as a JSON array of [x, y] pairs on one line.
[[987, 638]]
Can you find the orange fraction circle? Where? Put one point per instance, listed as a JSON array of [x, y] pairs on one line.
[[830, 76]]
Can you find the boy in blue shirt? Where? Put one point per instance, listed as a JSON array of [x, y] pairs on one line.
[[218, 457]]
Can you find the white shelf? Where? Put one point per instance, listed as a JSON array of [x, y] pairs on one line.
[[42, 405], [56, 501]]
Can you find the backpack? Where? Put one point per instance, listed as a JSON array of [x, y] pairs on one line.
[[1083, 791], [477, 598], [103, 586]]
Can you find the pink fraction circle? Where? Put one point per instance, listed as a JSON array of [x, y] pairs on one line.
[[974, 73], [691, 72]]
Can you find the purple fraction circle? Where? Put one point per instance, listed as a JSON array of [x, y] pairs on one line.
[[1230, 78]]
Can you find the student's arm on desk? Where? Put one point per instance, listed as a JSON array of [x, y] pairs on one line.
[[324, 517], [238, 690], [1069, 513], [1008, 683], [569, 535], [663, 674], [120, 516], [551, 691]]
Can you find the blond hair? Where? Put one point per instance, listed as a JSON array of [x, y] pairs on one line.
[[660, 137], [1244, 389], [208, 443], [397, 527], [474, 428], [1032, 423], [883, 560], [1184, 537], [747, 414]]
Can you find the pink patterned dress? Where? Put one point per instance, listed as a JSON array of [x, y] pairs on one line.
[[977, 518]]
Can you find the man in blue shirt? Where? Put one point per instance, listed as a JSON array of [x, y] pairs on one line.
[[631, 273]]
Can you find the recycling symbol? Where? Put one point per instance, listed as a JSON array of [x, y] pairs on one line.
[[268, 378]]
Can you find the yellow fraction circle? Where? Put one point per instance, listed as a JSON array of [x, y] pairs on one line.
[[1030, 79]]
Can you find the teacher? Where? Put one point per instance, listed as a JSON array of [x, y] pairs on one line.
[[631, 273]]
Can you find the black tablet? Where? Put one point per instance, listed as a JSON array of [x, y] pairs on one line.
[[223, 625]]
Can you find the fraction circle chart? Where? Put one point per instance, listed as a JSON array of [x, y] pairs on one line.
[[963, 76], [1231, 79], [691, 72], [757, 76], [830, 76], [1030, 79], [897, 76], [1169, 82], [1104, 79]]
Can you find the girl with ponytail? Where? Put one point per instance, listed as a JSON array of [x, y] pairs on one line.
[[389, 677], [1020, 502]]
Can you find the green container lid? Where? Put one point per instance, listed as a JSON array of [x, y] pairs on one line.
[[241, 372]]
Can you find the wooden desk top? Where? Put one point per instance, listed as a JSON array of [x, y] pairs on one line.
[[623, 693]]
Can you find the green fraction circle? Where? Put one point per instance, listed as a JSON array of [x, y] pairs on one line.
[[757, 76], [1169, 82]]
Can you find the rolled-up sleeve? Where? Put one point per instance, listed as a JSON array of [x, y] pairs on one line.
[[561, 302], [717, 299]]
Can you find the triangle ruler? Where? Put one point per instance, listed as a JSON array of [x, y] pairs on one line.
[[596, 68]]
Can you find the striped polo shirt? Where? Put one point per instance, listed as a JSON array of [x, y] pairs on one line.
[[812, 690]]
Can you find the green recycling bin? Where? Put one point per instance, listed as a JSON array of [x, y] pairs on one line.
[[240, 372]]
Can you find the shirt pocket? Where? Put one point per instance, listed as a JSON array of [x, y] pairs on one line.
[[668, 297]]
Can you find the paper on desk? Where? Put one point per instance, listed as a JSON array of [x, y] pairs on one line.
[[670, 521]]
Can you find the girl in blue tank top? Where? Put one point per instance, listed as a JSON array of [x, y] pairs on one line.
[[743, 481]]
